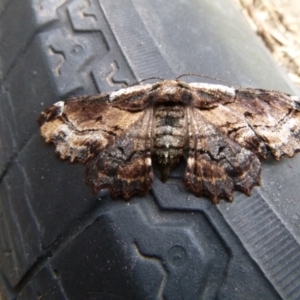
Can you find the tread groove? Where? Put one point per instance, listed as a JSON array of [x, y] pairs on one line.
[[275, 243]]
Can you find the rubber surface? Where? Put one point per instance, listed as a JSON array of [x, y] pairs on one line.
[[57, 239]]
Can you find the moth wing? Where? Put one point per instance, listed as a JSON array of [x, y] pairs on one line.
[[274, 118], [110, 133], [265, 122], [232, 127], [217, 165], [125, 166], [81, 127]]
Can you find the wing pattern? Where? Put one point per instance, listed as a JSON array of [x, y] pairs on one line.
[[222, 130]]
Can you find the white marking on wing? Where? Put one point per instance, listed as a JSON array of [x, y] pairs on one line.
[[295, 98], [208, 86], [129, 90], [60, 105], [295, 102]]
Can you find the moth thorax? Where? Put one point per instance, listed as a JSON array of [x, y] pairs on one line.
[[169, 136]]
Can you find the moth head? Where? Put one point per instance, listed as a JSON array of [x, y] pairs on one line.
[[173, 92]]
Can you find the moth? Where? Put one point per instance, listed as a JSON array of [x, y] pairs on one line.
[[222, 131]]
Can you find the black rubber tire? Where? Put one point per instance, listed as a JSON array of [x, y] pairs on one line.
[[57, 239]]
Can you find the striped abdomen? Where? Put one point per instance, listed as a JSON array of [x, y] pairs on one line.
[[169, 136]]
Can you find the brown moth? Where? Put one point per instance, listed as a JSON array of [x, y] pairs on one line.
[[221, 130]]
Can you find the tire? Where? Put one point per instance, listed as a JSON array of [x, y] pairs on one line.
[[60, 241]]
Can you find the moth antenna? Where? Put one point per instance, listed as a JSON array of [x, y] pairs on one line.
[[149, 78], [204, 76]]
